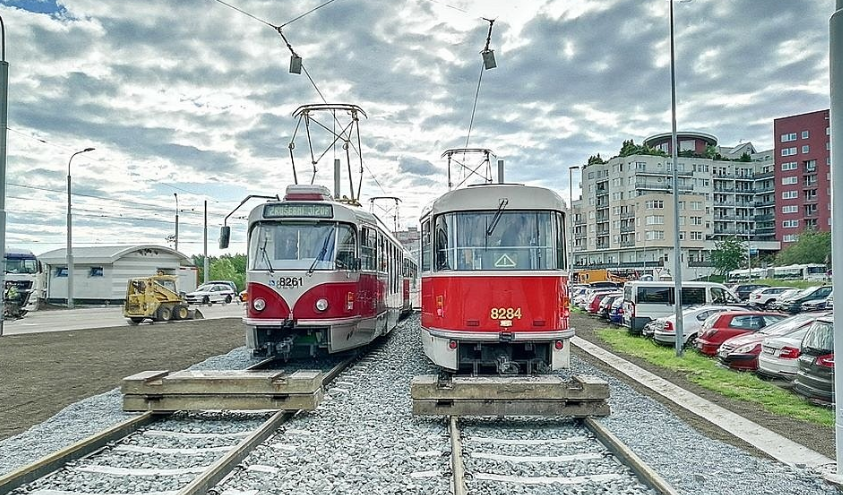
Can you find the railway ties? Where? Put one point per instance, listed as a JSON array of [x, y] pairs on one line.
[[544, 456], [185, 453]]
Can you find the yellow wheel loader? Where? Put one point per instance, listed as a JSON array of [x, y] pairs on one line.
[[156, 298]]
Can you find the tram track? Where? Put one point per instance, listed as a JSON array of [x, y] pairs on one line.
[[67, 463], [490, 456]]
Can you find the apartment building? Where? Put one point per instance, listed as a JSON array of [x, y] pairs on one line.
[[803, 174], [625, 217]]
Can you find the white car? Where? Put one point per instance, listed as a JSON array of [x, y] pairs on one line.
[[211, 293], [664, 332], [779, 356], [763, 296]]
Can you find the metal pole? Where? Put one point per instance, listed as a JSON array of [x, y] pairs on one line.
[[4, 120], [571, 214], [836, 119], [500, 172], [677, 254], [748, 258], [205, 263], [70, 234], [177, 220]]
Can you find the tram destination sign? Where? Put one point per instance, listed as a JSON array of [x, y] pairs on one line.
[[298, 210]]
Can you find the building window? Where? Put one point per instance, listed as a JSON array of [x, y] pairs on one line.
[[789, 151], [787, 181], [655, 204], [696, 220], [791, 136], [96, 271], [61, 271], [790, 209], [655, 235], [806, 148], [790, 194], [788, 166], [696, 205], [790, 238], [655, 220], [682, 235], [696, 236], [790, 224], [804, 134]]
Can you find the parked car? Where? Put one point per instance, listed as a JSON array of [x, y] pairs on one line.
[[764, 296], [211, 293], [785, 296], [815, 378], [742, 352], [664, 332], [594, 305], [722, 326], [817, 304], [226, 282], [616, 314], [590, 295], [743, 290], [606, 304], [646, 301], [794, 304], [779, 355]]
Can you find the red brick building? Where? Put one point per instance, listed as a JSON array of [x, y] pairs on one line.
[[803, 174]]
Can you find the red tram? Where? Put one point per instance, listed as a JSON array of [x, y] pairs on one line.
[[323, 276], [494, 280]]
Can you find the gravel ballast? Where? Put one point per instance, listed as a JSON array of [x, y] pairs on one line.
[[364, 439]]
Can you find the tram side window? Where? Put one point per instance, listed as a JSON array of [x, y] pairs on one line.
[[346, 249], [367, 248], [441, 244], [425, 246], [561, 244]]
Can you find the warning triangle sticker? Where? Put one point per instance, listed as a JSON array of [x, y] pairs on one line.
[[504, 262]]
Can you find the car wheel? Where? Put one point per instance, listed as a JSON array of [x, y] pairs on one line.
[[206, 300], [165, 313], [227, 299], [181, 312], [768, 304], [692, 340]]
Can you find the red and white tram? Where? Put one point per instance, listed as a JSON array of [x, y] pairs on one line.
[[494, 280], [322, 276]]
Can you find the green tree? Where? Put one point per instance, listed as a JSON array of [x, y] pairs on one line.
[[729, 254], [227, 267], [592, 160], [811, 247]]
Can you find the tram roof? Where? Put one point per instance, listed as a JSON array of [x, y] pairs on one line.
[[488, 196]]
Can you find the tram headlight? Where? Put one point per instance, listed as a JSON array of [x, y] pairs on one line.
[[259, 304], [322, 304]]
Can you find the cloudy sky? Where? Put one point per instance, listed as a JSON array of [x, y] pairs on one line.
[[194, 98]]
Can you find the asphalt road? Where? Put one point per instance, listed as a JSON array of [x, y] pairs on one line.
[[59, 320]]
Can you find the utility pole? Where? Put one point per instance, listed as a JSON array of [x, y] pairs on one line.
[[205, 263], [177, 220]]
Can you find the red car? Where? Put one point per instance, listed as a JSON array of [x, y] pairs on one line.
[[721, 326], [741, 352]]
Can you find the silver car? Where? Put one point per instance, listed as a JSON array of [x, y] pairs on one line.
[[211, 293]]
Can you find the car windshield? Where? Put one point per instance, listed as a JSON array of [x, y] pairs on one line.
[[787, 325], [820, 337], [300, 245], [204, 288]]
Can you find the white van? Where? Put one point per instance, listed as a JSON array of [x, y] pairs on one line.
[[646, 301]]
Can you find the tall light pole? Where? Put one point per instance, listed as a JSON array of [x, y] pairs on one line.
[[177, 220], [677, 254], [4, 119], [70, 234], [571, 214], [836, 119]]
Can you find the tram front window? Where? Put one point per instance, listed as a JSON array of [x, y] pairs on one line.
[[301, 246], [516, 240]]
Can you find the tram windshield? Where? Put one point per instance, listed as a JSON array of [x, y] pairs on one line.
[[301, 246], [495, 240]]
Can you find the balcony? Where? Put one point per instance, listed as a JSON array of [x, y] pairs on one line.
[[627, 243], [744, 191], [765, 202], [602, 245], [724, 204], [810, 214], [624, 264], [764, 189], [663, 173], [627, 228], [603, 232], [627, 216], [723, 190], [765, 175], [765, 218], [725, 218]]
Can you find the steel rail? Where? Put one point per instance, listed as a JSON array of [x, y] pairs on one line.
[[457, 466], [643, 471], [223, 466], [59, 459]]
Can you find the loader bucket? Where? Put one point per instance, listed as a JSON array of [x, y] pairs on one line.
[[195, 314]]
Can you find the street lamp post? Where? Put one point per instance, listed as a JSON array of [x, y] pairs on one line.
[[571, 214], [177, 220], [677, 254], [70, 234]]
